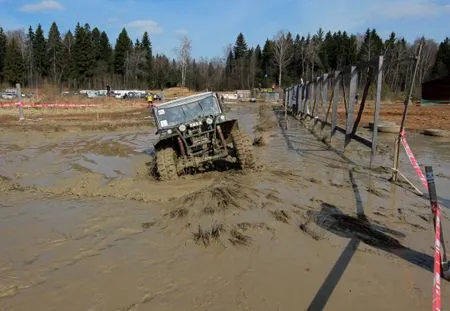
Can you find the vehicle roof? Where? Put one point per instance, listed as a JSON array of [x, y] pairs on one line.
[[185, 100]]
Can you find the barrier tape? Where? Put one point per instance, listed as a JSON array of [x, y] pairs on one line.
[[437, 259], [7, 105], [412, 159]]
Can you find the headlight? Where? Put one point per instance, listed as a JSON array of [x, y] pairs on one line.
[[222, 118], [182, 128], [169, 131], [209, 121]]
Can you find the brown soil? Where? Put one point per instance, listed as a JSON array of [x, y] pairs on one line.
[[419, 117], [83, 226]]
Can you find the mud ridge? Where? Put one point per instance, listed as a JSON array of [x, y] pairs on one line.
[[220, 197], [266, 123]]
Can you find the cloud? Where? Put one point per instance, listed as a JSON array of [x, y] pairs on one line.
[[412, 9], [112, 21], [45, 5], [182, 32], [145, 25]]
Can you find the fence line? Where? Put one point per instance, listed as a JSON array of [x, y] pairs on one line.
[[311, 101]]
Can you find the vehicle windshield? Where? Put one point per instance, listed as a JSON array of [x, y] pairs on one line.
[[168, 117]]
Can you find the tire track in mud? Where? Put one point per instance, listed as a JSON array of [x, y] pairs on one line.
[[235, 206]]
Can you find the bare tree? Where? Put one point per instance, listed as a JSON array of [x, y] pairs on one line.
[[427, 59], [134, 68], [184, 55], [282, 51]]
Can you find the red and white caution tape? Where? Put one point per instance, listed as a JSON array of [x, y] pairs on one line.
[[437, 260], [412, 159], [8, 105]]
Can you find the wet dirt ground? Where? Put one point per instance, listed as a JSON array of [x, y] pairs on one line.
[[84, 227]]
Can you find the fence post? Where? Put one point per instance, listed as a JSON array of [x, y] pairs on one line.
[[324, 96], [19, 97], [377, 110], [405, 111], [316, 97], [336, 88], [304, 90], [311, 96], [350, 104]]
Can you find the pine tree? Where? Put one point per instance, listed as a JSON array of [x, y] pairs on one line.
[[105, 48], [240, 47], [267, 67], [14, 67], [229, 70], [121, 50], [29, 59], [442, 65], [83, 55], [147, 46], [103, 58], [67, 57], [351, 49], [54, 52], [40, 53], [371, 47], [96, 43], [258, 64], [3, 48]]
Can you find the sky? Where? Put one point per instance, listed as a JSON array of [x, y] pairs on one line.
[[212, 25]]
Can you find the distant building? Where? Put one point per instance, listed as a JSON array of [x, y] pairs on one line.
[[436, 91]]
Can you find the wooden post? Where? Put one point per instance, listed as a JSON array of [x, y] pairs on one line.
[[336, 86], [351, 102], [376, 115], [285, 106], [19, 98], [405, 111], [324, 95], [311, 96]]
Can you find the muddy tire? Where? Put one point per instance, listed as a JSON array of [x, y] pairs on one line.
[[165, 164], [244, 149]]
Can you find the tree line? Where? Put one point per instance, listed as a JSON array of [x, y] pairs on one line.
[[85, 58]]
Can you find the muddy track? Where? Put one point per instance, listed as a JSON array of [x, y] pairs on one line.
[[85, 204]]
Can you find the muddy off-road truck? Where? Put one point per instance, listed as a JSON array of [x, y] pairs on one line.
[[194, 133]]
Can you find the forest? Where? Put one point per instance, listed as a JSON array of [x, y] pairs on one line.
[[86, 58]]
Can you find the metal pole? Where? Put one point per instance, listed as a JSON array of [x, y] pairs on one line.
[[377, 110], [405, 111], [434, 205], [19, 97]]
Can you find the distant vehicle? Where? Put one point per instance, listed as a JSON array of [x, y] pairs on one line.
[[9, 95]]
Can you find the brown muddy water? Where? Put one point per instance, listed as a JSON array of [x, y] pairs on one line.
[[84, 227]]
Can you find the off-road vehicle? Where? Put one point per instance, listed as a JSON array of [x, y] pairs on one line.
[[195, 133]]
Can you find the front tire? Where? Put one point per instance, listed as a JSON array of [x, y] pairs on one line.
[[244, 149], [166, 165]]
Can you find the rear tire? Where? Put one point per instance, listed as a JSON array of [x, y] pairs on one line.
[[166, 165], [244, 149]]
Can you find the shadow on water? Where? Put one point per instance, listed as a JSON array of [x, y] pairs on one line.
[[358, 229]]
